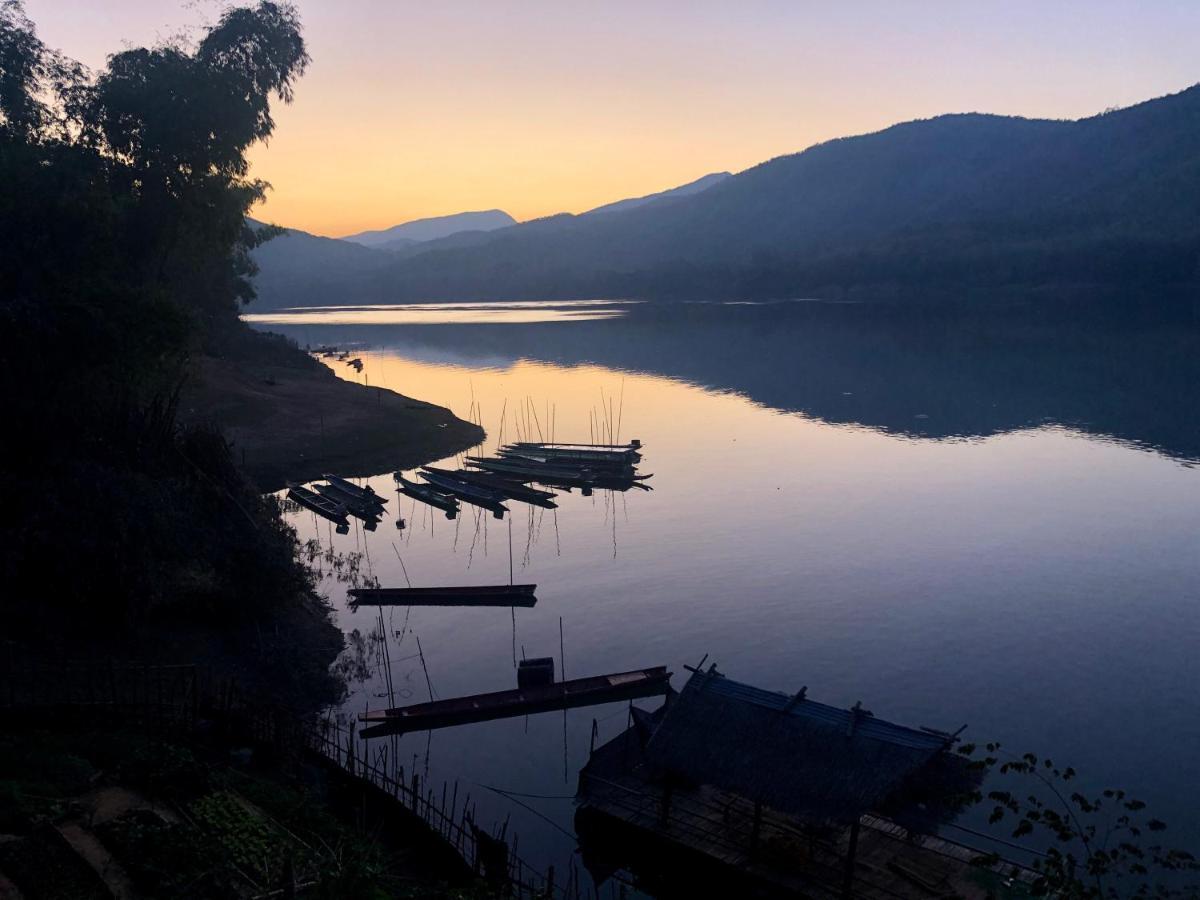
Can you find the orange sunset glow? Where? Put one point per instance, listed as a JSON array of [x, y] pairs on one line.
[[411, 110]]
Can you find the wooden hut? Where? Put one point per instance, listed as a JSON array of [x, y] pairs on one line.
[[795, 795]]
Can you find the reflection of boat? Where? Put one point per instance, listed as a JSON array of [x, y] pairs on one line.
[[470, 493], [470, 595], [508, 487], [522, 701], [362, 509], [349, 487], [323, 506], [426, 494]]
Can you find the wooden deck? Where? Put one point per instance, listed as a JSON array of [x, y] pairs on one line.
[[891, 863]]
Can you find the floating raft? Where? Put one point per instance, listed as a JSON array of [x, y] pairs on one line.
[[520, 702], [471, 595]]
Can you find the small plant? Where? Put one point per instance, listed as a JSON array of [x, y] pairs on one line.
[[1098, 847]]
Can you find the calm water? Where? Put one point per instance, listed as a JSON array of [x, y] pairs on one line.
[[954, 523]]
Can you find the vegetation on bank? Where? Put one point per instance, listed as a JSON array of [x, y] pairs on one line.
[[124, 254], [167, 820], [133, 535]]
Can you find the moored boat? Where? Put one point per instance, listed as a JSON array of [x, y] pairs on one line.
[[323, 506], [596, 455], [427, 494], [520, 702], [470, 493], [466, 595], [369, 512], [349, 487], [507, 488]]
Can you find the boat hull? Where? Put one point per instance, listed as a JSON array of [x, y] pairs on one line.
[[520, 702]]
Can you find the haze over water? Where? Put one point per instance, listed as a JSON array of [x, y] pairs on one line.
[[952, 524]]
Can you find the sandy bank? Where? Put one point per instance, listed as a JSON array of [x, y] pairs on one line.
[[293, 420]]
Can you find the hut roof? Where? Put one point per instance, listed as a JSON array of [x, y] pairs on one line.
[[795, 755]]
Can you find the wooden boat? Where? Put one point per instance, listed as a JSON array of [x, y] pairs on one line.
[[349, 487], [507, 487], [529, 469], [574, 453], [559, 476], [427, 494], [470, 595], [368, 512], [520, 702], [633, 446], [323, 506], [469, 493]]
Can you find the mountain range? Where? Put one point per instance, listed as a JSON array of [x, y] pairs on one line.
[[419, 230], [959, 206]]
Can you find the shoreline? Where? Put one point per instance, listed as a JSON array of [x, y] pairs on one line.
[[293, 419]]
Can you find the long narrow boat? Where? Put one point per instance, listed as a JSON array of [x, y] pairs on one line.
[[322, 506], [520, 702], [508, 487], [426, 494], [528, 469], [368, 512], [582, 466], [634, 445], [365, 492], [468, 595], [469, 493], [351, 499], [575, 453]]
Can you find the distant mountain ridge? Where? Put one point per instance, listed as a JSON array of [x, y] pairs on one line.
[[432, 228], [959, 207], [302, 269], [684, 190]]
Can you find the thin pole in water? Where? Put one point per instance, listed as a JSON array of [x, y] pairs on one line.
[[403, 568], [562, 664], [421, 653]]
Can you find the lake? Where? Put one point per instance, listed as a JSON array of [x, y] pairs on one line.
[[954, 521]]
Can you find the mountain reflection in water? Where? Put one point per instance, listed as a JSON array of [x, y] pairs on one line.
[[981, 521], [940, 377]]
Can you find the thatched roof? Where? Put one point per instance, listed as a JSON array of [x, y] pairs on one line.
[[792, 754]]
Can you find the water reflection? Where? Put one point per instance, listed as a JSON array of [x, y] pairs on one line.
[[944, 378], [953, 522]]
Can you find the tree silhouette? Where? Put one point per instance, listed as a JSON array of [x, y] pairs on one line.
[[1096, 847]]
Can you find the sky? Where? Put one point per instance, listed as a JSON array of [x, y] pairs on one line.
[[414, 109]]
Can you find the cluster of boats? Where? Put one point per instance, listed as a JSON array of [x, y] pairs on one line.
[[337, 499], [489, 482]]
